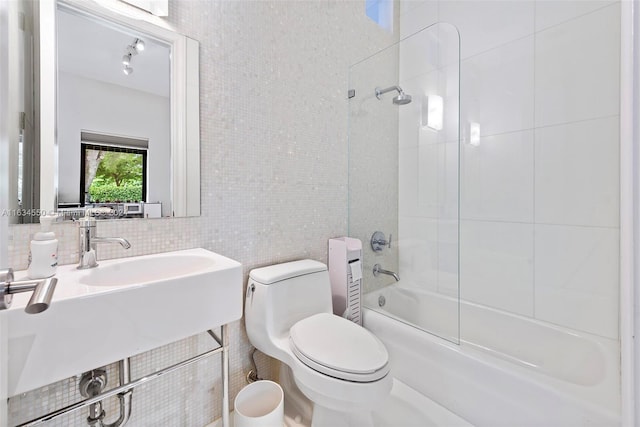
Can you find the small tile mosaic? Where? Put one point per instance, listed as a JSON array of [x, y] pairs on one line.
[[273, 116]]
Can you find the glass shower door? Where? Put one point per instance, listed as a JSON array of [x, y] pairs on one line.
[[404, 177]]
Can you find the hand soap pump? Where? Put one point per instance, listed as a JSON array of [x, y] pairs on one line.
[[43, 254]]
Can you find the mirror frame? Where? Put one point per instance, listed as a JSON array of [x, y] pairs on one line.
[[184, 100]]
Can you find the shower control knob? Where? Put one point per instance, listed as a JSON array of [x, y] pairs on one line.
[[378, 241]]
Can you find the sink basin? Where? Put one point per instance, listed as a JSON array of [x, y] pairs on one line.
[[121, 308], [147, 270]]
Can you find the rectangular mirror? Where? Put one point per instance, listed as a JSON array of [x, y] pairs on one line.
[[115, 103]]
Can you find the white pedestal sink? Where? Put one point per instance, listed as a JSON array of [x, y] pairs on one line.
[[120, 308]]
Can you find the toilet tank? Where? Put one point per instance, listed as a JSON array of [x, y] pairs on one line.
[[285, 293]]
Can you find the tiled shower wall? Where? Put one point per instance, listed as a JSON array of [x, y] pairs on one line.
[[273, 114], [539, 195]]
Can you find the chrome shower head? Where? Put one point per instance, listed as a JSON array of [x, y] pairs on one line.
[[401, 99]]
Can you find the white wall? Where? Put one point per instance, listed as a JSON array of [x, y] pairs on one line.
[[539, 195], [86, 104]]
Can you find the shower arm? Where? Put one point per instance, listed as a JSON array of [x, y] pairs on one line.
[[380, 92]]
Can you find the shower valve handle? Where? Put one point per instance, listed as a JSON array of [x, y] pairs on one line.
[[378, 241]]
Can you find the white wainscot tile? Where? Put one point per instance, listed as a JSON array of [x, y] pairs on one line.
[[486, 24], [497, 88], [417, 17], [576, 270], [577, 173], [577, 68], [418, 251], [553, 12], [496, 265], [497, 178]]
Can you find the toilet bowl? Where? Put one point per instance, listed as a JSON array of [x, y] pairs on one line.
[[341, 367]]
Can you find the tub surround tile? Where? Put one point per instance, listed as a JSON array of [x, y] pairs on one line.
[[577, 71], [484, 25], [448, 266], [543, 84], [415, 16], [577, 173], [550, 13], [576, 278], [497, 178], [418, 250], [422, 52], [498, 88], [496, 265]]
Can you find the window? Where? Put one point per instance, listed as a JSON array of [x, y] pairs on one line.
[[380, 12], [114, 172]]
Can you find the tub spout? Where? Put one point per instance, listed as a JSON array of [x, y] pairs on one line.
[[377, 269]]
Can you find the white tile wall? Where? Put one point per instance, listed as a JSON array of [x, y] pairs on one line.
[[273, 84], [497, 265], [577, 173], [577, 68], [497, 88], [420, 247], [541, 79], [417, 15], [497, 177], [575, 269], [484, 25], [549, 13]]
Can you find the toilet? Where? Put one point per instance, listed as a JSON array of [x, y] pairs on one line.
[[341, 367]]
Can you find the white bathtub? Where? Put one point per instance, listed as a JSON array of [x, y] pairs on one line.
[[508, 370]]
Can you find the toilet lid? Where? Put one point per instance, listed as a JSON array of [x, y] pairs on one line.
[[340, 348]]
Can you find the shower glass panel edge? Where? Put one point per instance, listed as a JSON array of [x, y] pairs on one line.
[[404, 138]]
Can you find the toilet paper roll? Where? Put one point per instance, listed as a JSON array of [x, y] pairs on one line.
[[356, 270]]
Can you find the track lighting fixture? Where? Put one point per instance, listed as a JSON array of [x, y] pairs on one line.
[[138, 45], [130, 51]]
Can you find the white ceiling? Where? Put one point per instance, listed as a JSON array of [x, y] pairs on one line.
[[93, 50]]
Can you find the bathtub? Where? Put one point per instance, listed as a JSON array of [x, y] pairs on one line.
[[505, 369]]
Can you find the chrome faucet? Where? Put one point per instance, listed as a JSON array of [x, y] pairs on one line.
[[40, 298], [379, 270], [87, 250]]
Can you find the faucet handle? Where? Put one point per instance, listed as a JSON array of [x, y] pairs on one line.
[[42, 291], [6, 277]]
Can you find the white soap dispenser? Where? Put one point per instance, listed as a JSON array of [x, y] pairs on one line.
[[43, 254]]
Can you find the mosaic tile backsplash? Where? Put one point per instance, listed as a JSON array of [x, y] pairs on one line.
[[273, 114]]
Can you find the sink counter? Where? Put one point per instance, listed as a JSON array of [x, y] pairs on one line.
[[121, 308]]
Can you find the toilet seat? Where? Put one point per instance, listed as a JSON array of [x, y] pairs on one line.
[[339, 348]]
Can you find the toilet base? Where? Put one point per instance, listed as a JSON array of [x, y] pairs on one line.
[[325, 417]]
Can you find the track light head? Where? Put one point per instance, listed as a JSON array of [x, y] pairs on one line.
[[127, 70], [138, 45], [126, 59]]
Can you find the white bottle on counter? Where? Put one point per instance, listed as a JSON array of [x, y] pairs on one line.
[[43, 254]]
